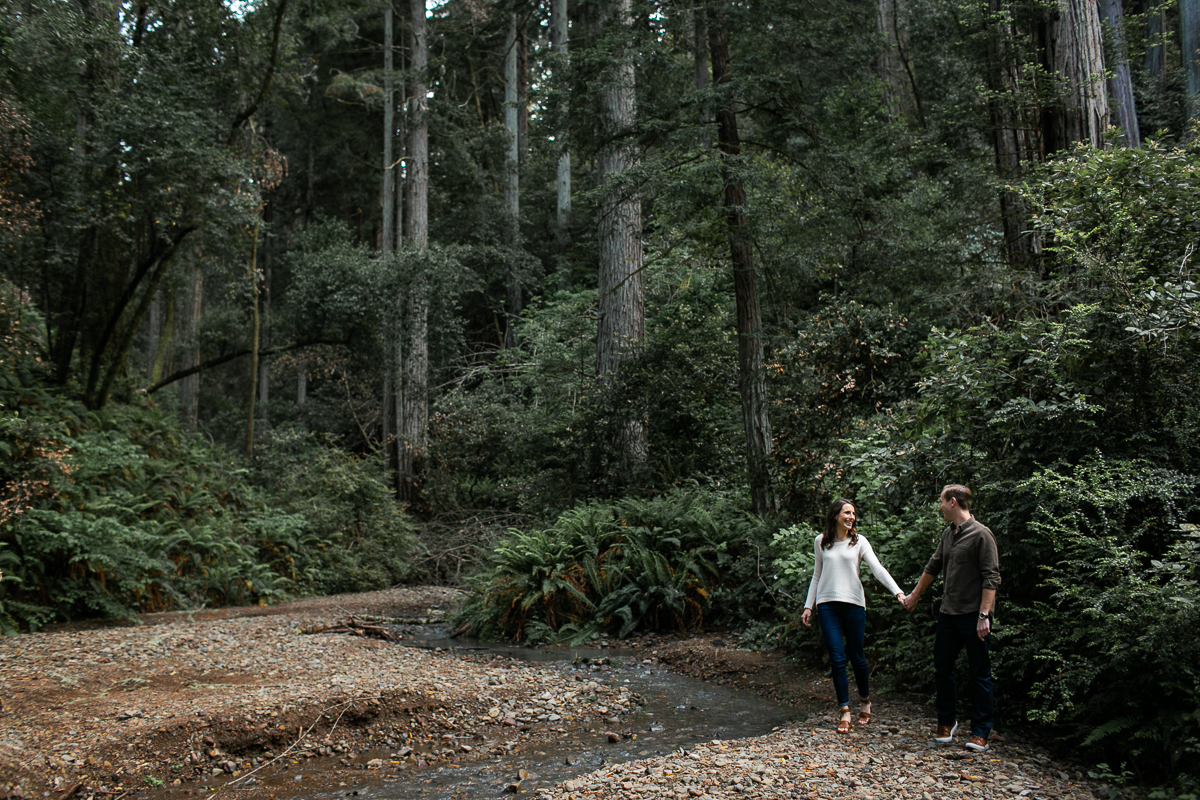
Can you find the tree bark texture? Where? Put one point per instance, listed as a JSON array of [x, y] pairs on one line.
[[166, 337], [1076, 53], [894, 66], [1016, 133], [387, 192], [264, 333], [256, 327], [412, 386], [512, 176], [1156, 26], [752, 373], [189, 386], [1189, 46], [1120, 81], [622, 310], [561, 47]]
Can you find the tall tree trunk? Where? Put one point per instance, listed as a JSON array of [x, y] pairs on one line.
[[1076, 52], [559, 39], [387, 192], [1189, 46], [700, 68], [622, 321], [264, 335], [512, 176], [894, 66], [1156, 26], [752, 373], [189, 387], [1120, 82], [166, 335], [388, 217], [1016, 132], [254, 344], [412, 390]]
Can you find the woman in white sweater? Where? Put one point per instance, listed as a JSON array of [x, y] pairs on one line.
[[837, 593]]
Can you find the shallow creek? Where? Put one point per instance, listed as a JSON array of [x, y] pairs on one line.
[[677, 712]]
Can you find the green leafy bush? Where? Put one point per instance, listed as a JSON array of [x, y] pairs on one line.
[[117, 512], [609, 568], [1105, 650], [355, 537]]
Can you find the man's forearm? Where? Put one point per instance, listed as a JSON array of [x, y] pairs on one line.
[[987, 601]]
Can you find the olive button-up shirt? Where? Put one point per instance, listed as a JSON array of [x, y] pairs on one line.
[[969, 556]]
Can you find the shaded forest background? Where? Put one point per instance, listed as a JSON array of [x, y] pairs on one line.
[[594, 307]]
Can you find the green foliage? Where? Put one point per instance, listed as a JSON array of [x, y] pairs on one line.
[[354, 536], [108, 514], [1120, 211], [609, 568], [1108, 654], [844, 363]]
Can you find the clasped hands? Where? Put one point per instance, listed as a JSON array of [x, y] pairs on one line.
[[909, 602]]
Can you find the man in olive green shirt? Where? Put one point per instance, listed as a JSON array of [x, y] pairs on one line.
[[967, 554]]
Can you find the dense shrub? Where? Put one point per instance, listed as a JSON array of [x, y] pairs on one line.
[[357, 538], [610, 569], [116, 512]]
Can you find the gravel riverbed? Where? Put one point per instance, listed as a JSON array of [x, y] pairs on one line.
[[220, 699]]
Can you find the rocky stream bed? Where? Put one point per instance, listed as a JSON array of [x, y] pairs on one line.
[[236, 701]]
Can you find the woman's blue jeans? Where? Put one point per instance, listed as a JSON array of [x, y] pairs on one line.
[[845, 621]]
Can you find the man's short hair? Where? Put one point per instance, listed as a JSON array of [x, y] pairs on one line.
[[960, 493]]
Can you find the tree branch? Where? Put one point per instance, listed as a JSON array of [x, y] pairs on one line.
[[227, 357], [248, 112]]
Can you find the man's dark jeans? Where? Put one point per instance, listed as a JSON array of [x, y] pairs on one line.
[[954, 632]]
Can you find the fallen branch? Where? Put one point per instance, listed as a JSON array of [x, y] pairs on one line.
[[356, 627]]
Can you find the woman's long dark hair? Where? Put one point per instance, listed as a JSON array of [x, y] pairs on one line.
[[830, 534]]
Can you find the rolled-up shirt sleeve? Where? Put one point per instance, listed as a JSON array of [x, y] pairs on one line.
[[989, 562]]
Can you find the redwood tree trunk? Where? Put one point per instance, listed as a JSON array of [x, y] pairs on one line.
[[412, 386], [752, 375], [1120, 82], [512, 175], [893, 64], [1189, 45], [560, 45], [622, 310], [1076, 52]]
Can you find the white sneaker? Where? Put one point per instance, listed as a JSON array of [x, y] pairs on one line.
[[977, 743], [945, 734]]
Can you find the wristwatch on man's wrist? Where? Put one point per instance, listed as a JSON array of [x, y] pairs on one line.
[[982, 615]]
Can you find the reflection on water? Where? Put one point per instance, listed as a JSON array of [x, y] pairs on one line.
[[677, 713]]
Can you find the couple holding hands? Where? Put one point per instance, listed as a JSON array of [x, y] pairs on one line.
[[967, 555]]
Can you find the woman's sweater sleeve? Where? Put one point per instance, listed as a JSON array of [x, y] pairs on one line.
[[810, 601], [877, 569]]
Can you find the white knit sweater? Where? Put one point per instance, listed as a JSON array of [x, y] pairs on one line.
[[836, 577]]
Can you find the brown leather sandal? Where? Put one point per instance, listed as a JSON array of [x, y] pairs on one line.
[[864, 717], [843, 725]]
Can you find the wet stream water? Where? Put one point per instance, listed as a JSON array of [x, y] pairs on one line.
[[677, 713]]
